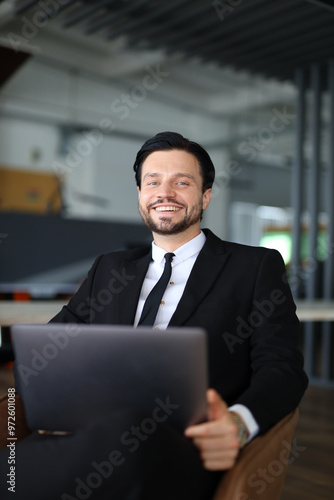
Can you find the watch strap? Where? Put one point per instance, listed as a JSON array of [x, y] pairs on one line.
[[242, 429]]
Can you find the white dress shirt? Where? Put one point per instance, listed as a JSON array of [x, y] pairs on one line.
[[182, 264]]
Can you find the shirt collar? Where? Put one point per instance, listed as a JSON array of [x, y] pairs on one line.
[[182, 253]]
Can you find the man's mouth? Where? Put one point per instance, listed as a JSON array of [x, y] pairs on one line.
[[167, 208]]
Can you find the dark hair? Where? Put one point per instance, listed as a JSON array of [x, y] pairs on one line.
[[165, 141]]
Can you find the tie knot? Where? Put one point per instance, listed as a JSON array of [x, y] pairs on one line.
[[169, 257]]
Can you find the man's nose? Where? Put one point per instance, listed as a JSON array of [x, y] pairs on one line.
[[166, 190]]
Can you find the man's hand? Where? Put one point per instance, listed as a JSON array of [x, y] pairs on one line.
[[216, 439]]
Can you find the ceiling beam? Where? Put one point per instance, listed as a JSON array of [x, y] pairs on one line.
[[245, 42], [113, 16], [323, 3], [152, 15], [296, 44], [246, 15], [81, 13], [166, 31]]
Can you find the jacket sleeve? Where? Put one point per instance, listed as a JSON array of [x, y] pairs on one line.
[[80, 308], [278, 380]]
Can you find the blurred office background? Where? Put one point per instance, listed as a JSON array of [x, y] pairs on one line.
[[83, 84]]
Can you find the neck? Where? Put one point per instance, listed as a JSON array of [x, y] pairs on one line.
[[171, 242]]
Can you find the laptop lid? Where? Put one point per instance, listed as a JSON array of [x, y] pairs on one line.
[[69, 374]]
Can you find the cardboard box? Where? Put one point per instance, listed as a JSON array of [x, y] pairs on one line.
[[26, 191]]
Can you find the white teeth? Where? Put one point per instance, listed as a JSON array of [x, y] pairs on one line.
[[168, 208]]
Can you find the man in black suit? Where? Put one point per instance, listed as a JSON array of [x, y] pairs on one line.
[[238, 294]]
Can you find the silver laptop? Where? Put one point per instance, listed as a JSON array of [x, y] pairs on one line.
[[69, 375]]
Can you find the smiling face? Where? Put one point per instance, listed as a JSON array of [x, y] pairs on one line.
[[171, 197]]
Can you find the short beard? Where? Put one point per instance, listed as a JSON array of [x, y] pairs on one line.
[[166, 226]]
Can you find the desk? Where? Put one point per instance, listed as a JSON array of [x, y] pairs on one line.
[[308, 311], [315, 310], [42, 311], [28, 311]]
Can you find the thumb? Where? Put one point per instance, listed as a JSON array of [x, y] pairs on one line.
[[217, 406]]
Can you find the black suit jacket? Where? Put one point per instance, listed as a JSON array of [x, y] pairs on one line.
[[239, 295]]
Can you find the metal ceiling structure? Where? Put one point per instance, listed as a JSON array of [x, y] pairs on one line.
[[234, 60], [270, 38]]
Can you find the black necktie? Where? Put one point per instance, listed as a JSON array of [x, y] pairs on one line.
[[153, 300]]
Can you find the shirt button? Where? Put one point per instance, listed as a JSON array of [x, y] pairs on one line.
[[171, 283], [162, 302]]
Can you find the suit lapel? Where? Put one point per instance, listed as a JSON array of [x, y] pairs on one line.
[[207, 269], [136, 270]]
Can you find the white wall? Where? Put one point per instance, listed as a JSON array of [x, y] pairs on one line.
[[216, 215], [27, 145], [102, 185], [136, 107]]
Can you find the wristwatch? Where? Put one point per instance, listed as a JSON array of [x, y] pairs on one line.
[[243, 431]]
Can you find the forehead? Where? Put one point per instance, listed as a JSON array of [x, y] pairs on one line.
[[171, 161]]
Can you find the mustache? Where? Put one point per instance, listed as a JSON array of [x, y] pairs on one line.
[[165, 202]]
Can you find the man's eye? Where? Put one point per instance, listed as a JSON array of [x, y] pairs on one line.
[[182, 183], [153, 183]]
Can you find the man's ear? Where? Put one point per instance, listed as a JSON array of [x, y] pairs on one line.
[[206, 198]]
